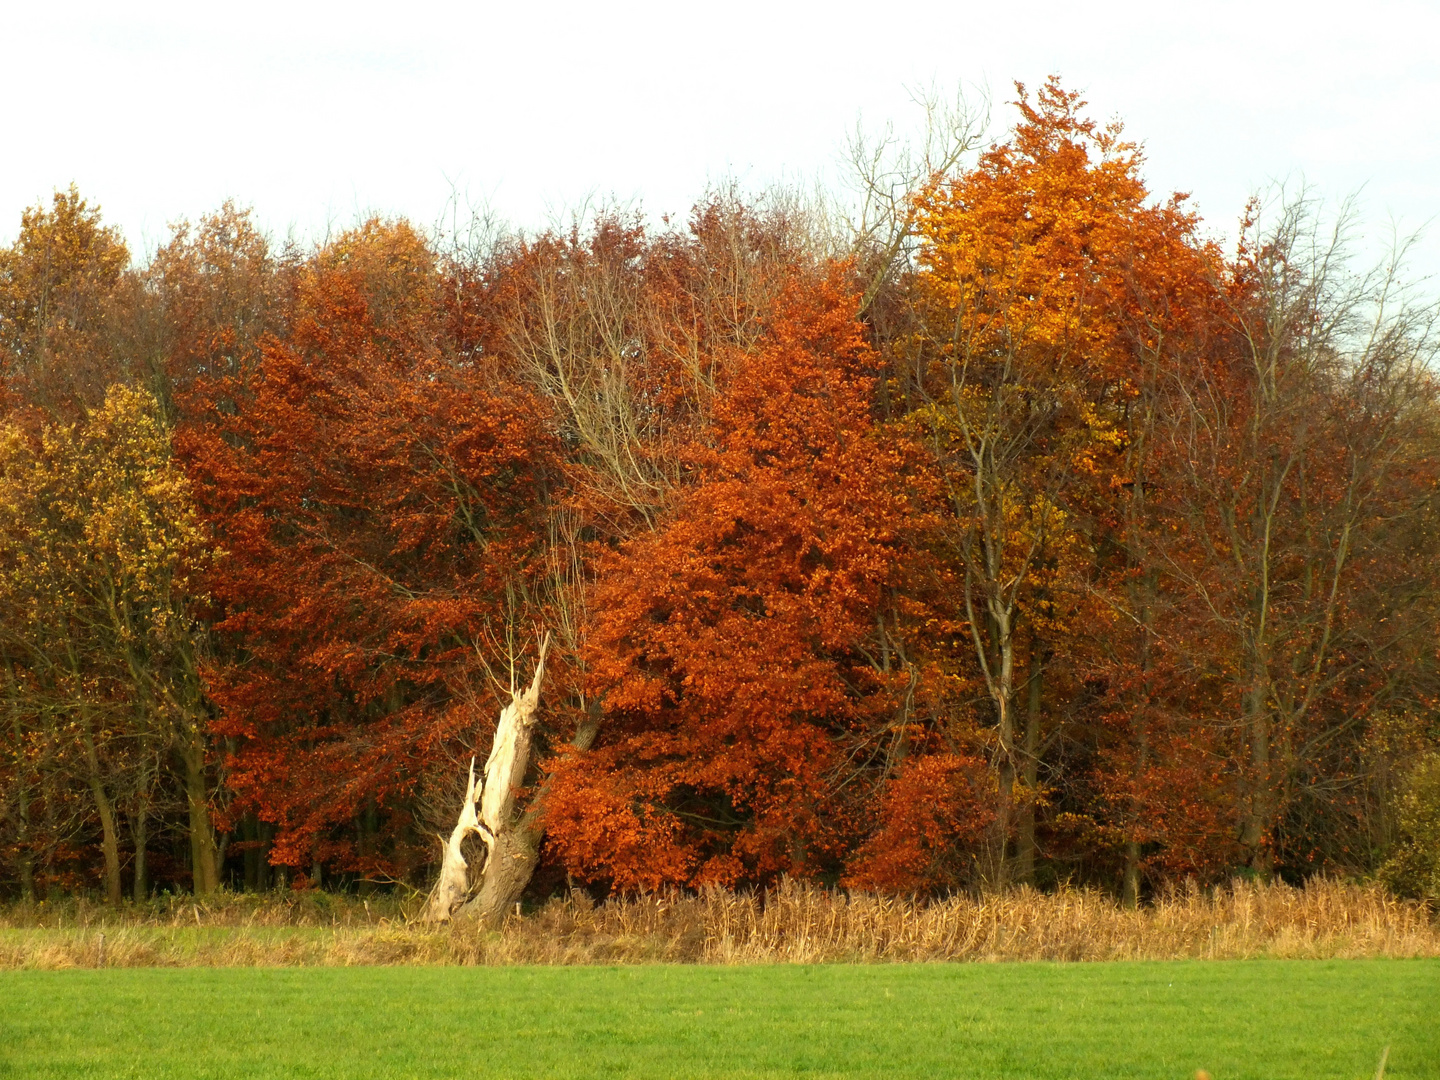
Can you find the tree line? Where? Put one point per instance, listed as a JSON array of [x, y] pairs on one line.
[[1007, 530]]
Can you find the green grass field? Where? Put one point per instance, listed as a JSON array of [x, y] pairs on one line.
[[1261, 1019]]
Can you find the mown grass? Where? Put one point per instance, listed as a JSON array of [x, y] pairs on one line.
[[1262, 1019]]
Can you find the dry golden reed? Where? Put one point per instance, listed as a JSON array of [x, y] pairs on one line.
[[796, 923]]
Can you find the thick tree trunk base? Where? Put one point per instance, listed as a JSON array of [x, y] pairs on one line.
[[507, 872], [1130, 887], [204, 861]]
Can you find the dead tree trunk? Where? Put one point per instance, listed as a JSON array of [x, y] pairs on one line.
[[495, 820], [517, 849], [453, 885]]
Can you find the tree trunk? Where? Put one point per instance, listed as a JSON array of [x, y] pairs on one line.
[[369, 828], [204, 862], [1026, 848], [109, 834], [1002, 689], [250, 857], [49, 799], [109, 841], [1130, 885], [138, 831], [1255, 827], [1139, 737], [512, 861], [489, 805], [140, 822], [24, 839], [257, 866], [25, 855], [508, 869], [453, 885]]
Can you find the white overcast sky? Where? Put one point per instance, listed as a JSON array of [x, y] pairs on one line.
[[315, 113]]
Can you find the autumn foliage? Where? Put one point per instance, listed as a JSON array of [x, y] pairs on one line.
[[381, 508], [1064, 546], [728, 644]]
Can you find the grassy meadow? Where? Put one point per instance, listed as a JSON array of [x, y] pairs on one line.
[[1259, 1019], [1245, 981]]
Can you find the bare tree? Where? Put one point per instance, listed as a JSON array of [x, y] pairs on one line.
[[1299, 453], [885, 172]]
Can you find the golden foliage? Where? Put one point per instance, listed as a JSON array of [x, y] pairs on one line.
[[96, 524]]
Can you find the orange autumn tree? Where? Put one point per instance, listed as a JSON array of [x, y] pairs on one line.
[[1155, 805], [728, 644], [219, 289], [380, 502]]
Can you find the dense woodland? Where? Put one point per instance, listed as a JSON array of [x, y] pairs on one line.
[[1005, 530]]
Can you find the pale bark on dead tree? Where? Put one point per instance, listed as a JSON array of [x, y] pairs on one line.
[[494, 821], [516, 851], [453, 884]]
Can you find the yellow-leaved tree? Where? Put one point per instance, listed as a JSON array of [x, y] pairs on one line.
[[66, 301], [98, 544]]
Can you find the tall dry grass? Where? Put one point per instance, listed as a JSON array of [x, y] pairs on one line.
[[794, 924]]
